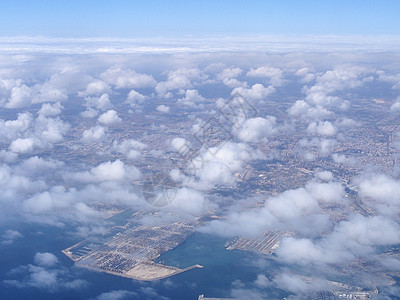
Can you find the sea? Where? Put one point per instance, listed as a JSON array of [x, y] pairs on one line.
[[223, 272]]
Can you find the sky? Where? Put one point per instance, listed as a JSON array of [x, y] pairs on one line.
[[176, 18], [82, 113]]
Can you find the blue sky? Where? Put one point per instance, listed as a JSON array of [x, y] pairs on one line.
[[100, 18]]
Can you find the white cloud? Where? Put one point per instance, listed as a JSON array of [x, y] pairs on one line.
[[182, 78], [396, 105], [107, 171], [50, 110], [217, 164], [163, 108], [325, 128], [94, 134], [324, 175], [10, 236], [351, 238], [102, 103], [256, 92], [304, 110], [109, 118], [21, 96], [14, 185], [180, 145], [50, 130], [89, 113], [45, 259], [392, 78], [44, 275], [380, 187], [275, 75], [322, 145], [306, 74], [126, 78], [55, 89], [96, 87], [343, 159], [134, 98], [255, 129], [21, 124], [192, 98], [22, 146], [37, 165], [116, 295], [380, 192], [228, 77], [190, 201], [296, 210], [331, 192], [299, 284], [130, 148]]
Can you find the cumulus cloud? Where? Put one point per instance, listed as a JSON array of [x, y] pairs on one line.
[[96, 87], [66, 204], [190, 201], [89, 113], [26, 133], [108, 171], [307, 112], [343, 159], [50, 130], [56, 88], [296, 210], [126, 78], [116, 295], [130, 148], [102, 103], [256, 92], [21, 96], [182, 78], [381, 192], [134, 98], [180, 145], [9, 236], [275, 75], [324, 175], [300, 284], [94, 134], [192, 98], [322, 146], [44, 275], [380, 187], [50, 110], [255, 129], [217, 164], [306, 74], [45, 259], [163, 108], [109, 118], [392, 78], [325, 128], [395, 106], [356, 237], [44, 178], [320, 100], [38, 166], [229, 77], [22, 146]]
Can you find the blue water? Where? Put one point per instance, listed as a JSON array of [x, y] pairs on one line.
[[221, 268]]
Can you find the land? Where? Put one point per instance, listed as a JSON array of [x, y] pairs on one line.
[[264, 244], [130, 251]]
